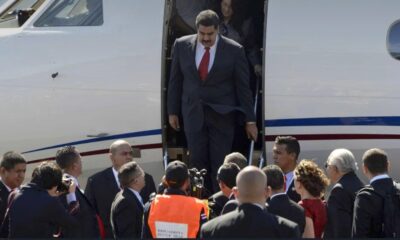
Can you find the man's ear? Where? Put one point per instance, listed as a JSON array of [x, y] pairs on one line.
[[235, 192], [268, 192], [2, 171], [365, 170], [222, 185], [294, 156]]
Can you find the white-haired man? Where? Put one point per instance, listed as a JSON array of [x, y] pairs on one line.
[[340, 168]]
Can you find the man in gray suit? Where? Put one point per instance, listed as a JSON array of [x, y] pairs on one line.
[[209, 87]]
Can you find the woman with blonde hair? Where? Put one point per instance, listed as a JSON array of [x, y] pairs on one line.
[[311, 182]]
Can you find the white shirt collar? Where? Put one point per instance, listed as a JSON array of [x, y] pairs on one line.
[[277, 194], [289, 179], [137, 194], [258, 205], [115, 172], [378, 177]]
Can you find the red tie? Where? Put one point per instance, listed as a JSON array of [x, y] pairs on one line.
[[203, 67]]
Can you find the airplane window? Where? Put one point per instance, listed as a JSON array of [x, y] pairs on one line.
[[72, 13], [20, 11], [393, 40]]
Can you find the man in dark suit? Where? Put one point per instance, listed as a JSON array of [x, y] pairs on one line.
[[279, 202], [209, 86], [102, 187], [340, 168], [35, 209], [227, 180], [368, 216], [127, 207], [250, 220], [12, 172], [69, 160], [286, 151]]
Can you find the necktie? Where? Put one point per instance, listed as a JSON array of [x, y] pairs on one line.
[[203, 67]]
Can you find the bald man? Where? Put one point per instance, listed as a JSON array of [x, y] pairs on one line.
[[102, 187], [250, 219]]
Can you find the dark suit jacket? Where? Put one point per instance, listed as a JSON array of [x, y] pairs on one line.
[[101, 189], [292, 194], [249, 221], [126, 215], [230, 206], [225, 90], [368, 210], [340, 206], [282, 206], [149, 188], [4, 193], [217, 202], [34, 214], [88, 225]]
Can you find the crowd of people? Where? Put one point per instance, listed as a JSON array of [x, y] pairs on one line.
[[122, 201]]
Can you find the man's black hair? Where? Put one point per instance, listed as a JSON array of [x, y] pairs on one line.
[[11, 159]]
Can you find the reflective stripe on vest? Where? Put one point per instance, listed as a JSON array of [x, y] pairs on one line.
[[175, 216]]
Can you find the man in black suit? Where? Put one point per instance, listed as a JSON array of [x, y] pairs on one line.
[[35, 209], [127, 207], [12, 172], [368, 216], [209, 86], [250, 220], [279, 202], [340, 168], [286, 151], [69, 160], [102, 187], [227, 180]]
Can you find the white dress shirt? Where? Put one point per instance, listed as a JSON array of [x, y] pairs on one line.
[[200, 50]]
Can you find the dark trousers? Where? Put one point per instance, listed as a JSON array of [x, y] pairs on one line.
[[209, 146]]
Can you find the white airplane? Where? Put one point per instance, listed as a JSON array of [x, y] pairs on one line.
[[85, 75]]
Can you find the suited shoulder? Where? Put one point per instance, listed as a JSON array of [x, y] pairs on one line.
[[285, 222], [118, 199], [230, 42], [337, 187], [288, 228], [187, 38], [218, 222]]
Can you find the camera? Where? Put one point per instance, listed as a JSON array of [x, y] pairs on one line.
[[197, 182], [64, 185]]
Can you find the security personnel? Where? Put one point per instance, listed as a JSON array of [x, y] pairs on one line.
[[174, 214]]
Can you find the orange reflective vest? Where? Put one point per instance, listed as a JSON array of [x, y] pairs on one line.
[[176, 216]]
